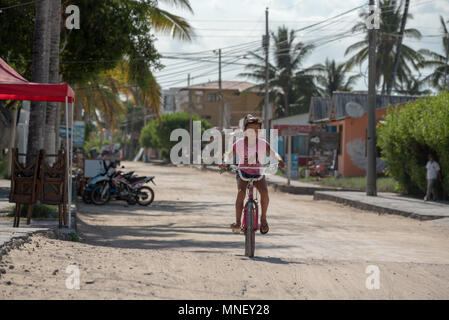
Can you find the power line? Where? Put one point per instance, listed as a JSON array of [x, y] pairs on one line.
[[16, 5]]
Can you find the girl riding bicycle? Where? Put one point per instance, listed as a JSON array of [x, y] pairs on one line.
[[250, 150]]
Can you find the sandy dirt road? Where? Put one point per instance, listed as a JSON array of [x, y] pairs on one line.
[[181, 248]]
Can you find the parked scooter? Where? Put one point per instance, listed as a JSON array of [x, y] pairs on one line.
[[105, 175], [315, 170], [129, 189]]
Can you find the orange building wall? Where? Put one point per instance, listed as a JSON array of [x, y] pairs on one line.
[[352, 160]]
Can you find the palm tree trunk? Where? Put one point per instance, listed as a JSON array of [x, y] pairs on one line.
[[398, 49], [40, 66], [50, 122]]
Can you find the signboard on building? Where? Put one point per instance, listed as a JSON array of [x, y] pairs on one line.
[[294, 130], [78, 137], [322, 146]]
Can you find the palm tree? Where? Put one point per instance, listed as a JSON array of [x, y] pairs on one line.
[[165, 22], [440, 62], [390, 27], [398, 48], [289, 83], [412, 86], [52, 107], [100, 97], [332, 78], [40, 73]]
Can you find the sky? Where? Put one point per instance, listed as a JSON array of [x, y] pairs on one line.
[[238, 25]]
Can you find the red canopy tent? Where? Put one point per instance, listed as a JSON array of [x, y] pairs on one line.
[[14, 87]]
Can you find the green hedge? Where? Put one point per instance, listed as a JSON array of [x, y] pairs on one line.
[[409, 134], [157, 132]]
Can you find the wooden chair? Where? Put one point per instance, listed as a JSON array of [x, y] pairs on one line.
[[24, 184], [53, 184]]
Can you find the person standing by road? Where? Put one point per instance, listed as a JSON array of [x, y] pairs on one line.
[[432, 173]]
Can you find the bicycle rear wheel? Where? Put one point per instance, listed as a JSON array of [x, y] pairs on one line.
[[250, 234]]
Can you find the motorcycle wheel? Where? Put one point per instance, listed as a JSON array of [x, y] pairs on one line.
[[96, 197], [87, 197], [145, 196]]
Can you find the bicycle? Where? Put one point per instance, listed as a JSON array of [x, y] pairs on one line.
[[250, 210]]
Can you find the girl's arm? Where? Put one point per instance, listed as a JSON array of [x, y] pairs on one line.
[[276, 155], [225, 157]]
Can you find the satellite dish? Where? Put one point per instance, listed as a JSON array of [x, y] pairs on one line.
[[354, 110]]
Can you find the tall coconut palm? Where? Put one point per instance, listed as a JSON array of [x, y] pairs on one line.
[[439, 61], [107, 87], [412, 86], [398, 48], [102, 97], [51, 112], [332, 77], [390, 27], [40, 73], [289, 80], [165, 22]]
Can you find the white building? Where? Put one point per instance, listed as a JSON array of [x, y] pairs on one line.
[[174, 100]]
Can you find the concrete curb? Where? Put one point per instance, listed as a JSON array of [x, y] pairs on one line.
[[371, 207], [278, 187], [298, 190]]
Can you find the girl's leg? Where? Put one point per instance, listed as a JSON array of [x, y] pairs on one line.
[[261, 186], [241, 194]]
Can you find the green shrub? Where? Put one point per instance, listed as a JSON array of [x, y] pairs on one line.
[[409, 134], [74, 236], [157, 132]]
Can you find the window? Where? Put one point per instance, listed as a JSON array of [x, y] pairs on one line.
[[299, 145], [211, 97], [206, 117]]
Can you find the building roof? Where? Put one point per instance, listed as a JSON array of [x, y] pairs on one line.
[[340, 99], [297, 119], [320, 109], [225, 85], [323, 110]]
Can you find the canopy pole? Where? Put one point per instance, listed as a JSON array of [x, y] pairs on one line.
[[71, 160], [67, 153]]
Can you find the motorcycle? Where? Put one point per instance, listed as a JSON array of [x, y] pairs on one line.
[[315, 170], [122, 187], [105, 175]]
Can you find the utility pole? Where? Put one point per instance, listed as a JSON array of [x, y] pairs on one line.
[[371, 187], [220, 93], [266, 44], [446, 84], [190, 121]]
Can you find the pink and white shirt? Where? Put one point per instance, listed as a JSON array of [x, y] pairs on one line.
[[250, 156]]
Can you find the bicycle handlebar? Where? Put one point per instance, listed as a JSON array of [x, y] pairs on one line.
[[239, 171]]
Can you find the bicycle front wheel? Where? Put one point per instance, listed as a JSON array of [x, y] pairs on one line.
[[250, 234]]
